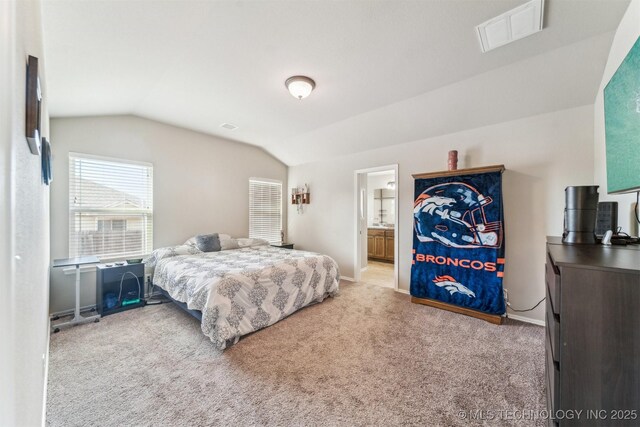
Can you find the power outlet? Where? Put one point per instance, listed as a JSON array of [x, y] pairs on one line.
[[506, 296]]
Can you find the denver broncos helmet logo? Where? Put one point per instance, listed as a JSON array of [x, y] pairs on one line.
[[453, 214]]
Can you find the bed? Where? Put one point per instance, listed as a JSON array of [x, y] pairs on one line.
[[238, 291]]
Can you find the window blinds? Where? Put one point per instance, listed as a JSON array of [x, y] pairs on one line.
[[110, 207], [265, 209]]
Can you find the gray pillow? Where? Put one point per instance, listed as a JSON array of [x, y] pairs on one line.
[[208, 242], [227, 244]]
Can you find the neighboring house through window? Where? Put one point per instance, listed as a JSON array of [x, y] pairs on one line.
[[265, 209], [110, 207], [112, 225]]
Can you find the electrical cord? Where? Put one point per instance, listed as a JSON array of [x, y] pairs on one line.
[[150, 300], [122, 280], [629, 239], [528, 309], [637, 209]]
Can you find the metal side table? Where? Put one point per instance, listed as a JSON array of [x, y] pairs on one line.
[[77, 318]]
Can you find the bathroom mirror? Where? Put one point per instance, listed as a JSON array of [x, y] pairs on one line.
[[383, 207]]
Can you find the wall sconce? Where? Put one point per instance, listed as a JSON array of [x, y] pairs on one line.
[[300, 196]]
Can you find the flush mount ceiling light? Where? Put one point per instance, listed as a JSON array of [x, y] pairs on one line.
[[300, 86], [513, 25], [229, 126]]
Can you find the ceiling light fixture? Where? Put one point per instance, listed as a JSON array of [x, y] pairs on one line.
[[300, 86], [229, 126]]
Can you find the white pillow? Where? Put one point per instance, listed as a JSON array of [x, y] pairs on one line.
[[228, 244], [168, 252], [251, 243]]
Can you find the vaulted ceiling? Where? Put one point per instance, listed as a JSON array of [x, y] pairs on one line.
[[387, 72]]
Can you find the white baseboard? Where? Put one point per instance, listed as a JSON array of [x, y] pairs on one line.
[[46, 376], [509, 315], [348, 279], [526, 319]]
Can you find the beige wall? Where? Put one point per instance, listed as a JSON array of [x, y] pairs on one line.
[[626, 35], [542, 154], [201, 183], [24, 225]]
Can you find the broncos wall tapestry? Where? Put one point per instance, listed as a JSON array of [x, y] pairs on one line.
[[458, 241]]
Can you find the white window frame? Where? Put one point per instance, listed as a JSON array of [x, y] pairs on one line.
[[147, 213], [274, 237]]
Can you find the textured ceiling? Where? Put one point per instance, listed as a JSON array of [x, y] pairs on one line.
[[387, 72]]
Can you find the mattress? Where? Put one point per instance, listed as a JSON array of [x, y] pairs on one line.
[[243, 290]]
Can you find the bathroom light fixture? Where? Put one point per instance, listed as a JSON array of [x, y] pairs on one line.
[[300, 86], [391, 185]]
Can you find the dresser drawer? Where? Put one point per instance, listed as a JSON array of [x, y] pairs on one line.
[[553, 379], [552, 279], [553, 331], [551, 422]]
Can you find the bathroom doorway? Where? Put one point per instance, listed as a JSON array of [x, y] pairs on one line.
[[377, 226]]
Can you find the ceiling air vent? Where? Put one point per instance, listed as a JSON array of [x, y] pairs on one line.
[[511, 26], [229, 126]]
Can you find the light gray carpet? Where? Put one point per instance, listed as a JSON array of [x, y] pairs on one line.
[[366, 357]]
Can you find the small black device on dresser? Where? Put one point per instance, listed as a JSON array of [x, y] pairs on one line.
[[606, 218], [119, 287]]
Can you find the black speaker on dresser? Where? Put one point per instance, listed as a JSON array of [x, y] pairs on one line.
[[606, 218], [580, 214]]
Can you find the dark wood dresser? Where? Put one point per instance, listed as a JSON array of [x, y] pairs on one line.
[[593, 334]]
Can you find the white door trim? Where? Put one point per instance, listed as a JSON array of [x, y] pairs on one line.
[[357, 266]]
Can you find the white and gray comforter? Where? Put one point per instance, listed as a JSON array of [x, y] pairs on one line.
[[243, 290]]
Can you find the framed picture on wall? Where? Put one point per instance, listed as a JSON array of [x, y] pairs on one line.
[[46, 161], [33, 106]]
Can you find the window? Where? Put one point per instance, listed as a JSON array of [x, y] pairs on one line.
[[110, 207], [112, 224], [265, 209]]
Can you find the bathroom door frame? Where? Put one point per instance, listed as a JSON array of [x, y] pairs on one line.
[[358, 246]]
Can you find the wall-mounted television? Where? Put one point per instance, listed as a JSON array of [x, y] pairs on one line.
[[622, 125]]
